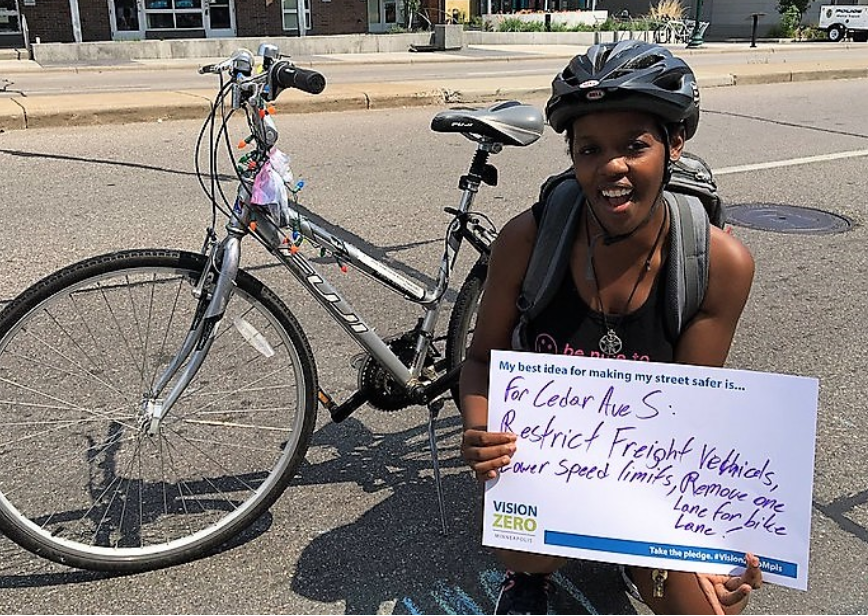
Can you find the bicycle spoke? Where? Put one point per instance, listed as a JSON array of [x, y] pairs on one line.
[[232, 392], [230, 445], [67, 372], [167, 329], [118, 326], [214, 488], [228, 424], [66, 405], [178, 483], [102, 367]]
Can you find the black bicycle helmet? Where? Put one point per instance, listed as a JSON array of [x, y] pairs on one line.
[[625, 76]]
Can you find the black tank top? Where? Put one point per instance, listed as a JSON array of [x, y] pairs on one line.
[[568, 326]]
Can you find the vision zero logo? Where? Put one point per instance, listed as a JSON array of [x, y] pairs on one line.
[[514, 521]]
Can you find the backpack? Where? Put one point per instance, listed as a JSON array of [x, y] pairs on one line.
[[690, 194]]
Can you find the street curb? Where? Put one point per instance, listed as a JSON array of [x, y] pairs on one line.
[[18, 113], [11, 115], [800, 75]]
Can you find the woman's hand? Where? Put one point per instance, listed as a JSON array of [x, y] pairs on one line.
[[729, 594], [486, 452]]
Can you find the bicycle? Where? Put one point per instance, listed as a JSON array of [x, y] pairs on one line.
[[676, 31], [123, 448]]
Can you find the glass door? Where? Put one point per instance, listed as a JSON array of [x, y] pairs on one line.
[[384, 15], [219, 18], [126, 20]]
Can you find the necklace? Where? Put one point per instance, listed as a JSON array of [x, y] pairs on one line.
[[610, 343]]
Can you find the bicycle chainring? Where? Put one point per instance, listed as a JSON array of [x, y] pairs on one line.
[[383, 391]]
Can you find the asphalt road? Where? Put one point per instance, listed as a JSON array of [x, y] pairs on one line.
[[358, 531]]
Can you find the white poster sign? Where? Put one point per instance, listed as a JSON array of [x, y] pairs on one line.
[[656, 465]]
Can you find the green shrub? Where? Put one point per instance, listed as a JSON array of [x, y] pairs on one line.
[[800, 5], [790, 20], [811, 33], [512, 24]]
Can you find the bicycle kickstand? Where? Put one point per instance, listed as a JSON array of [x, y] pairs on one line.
[[434, 408]]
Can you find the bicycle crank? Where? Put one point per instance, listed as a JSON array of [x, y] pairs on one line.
[[380, 388]]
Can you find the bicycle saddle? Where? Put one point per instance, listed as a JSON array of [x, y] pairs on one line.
[[509, 123]]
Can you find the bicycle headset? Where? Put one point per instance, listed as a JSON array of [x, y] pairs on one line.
[[627, 76]]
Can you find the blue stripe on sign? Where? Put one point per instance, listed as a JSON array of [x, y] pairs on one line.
[[665, 550]]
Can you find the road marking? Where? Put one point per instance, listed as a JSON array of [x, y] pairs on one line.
[[791, 162]]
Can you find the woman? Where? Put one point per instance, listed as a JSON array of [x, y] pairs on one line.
[[627, 110]]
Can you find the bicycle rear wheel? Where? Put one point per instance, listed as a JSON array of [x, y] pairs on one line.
[[462, 321], [82, 482]]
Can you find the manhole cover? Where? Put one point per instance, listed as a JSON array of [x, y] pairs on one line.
[[786, 218]]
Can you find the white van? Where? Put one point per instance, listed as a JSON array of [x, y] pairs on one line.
[[839, 20]]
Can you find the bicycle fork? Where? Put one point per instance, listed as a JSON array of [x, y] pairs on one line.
[[213, 298]]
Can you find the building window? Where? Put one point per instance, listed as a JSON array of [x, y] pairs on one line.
[[291, 17], [9, 17], [174, 14]]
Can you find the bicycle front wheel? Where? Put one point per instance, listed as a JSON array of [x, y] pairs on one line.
[[85, 477], [462, 321]]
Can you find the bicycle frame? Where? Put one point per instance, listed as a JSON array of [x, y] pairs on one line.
[[344, 252], [225, 258]]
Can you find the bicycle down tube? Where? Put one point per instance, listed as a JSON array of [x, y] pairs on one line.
[[345, 252]]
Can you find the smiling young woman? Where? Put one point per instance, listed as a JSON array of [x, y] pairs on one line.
[[627, 109]]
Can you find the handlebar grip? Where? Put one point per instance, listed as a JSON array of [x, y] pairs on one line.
[[288, 76], [208, 68]]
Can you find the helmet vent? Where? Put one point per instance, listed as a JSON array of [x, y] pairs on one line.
[[645, 61]]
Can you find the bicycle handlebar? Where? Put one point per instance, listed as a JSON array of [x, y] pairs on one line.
[[286, 75], [240, 62], [281, 74]]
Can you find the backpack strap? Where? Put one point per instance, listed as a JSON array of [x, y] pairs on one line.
[[550, 258], [687, 270]]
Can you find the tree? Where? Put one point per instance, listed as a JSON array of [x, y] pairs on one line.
[[800, 5]]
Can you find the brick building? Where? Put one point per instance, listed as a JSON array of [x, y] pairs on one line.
[[103, 20]]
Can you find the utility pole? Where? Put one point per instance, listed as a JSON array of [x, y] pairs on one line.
[[696, 38]]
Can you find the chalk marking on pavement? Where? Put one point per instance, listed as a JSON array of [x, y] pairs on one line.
[[453, 600], [387, 607], [791, 162], [577, 594], [490, 581]]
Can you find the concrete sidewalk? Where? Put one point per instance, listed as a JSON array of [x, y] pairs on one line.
[[769, 64]]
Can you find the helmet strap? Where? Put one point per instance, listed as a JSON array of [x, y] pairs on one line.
[[667, 167]]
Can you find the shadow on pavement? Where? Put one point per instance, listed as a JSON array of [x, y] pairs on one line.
[[394, 558]]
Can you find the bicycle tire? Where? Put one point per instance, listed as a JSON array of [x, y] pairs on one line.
[[462, 321], [81, 481]]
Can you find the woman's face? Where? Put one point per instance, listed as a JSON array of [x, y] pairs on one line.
[[619, 158]]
